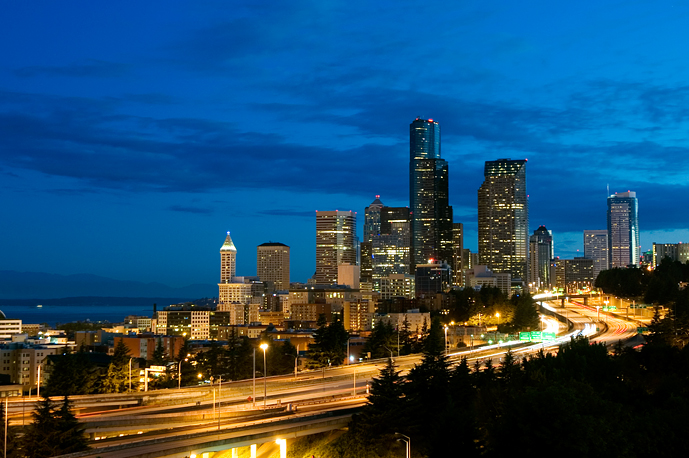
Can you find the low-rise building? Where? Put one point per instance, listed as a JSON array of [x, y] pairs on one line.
[[482, 276]]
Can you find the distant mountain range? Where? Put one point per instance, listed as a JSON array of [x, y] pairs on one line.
[[38, 285]]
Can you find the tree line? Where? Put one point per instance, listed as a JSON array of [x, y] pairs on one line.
[[582, 401]]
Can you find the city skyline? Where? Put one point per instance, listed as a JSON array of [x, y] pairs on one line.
[[135, 137]]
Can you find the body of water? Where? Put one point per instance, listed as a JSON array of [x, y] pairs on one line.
[[52, 314]]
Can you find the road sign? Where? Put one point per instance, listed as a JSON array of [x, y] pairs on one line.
[[641, 329], [524, 336], [548, 336], [536, 335], [156, 369]]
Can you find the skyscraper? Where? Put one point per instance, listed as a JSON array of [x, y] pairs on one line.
[[372, 219], [623, 229], [428, 195], [540, 255], [457, 254], [335, 243], [391, 247], [272, 264], [596, 248], [228, 260], [503, 218]]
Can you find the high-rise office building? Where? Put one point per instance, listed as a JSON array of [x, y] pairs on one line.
[[596, 248], [391, 247], [372, 219], [335, 243], [272, 264], [503, 218], [228, 260], [540, 255], [431, 225], [664, 250], [457, 254], [623, 229]]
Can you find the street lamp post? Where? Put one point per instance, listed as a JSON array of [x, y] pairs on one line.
[[130, 375], [179, 375], [445, 340], [253, 400], [264, 347], [296, 362], [38, 387], [407, 441]]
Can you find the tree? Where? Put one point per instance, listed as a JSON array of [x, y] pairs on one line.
[[159, 354], [41, 438], [525, 313], [71, 437], [381, 415], [117, 378], [65, 369], [330, 342]]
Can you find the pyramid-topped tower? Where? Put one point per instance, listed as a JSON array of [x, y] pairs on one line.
[[228, 260]]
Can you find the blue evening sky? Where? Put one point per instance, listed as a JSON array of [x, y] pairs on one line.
[[133, 135]]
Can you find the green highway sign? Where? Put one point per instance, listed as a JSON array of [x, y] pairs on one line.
[[524, 336], [548, 336], [641, 329], [536, 335]]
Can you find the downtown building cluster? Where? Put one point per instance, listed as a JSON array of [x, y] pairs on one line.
[[416, 253]]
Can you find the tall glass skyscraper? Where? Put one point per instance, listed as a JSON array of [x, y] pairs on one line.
[[503, 218], [431, 214], [623, 229], [335, 243], [540, 255]]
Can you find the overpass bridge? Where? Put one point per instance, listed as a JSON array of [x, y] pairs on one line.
[[209, 443]]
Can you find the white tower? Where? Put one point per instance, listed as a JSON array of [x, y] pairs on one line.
[[228, 260]]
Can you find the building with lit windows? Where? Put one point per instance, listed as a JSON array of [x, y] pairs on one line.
[[623, 229], [431, 279], [573, 275], [372, 219], [391, 247], [503, 218], [397, 285], [358, 315], [596, 248], [228, 260], [272, 265], [540, 255], [431, 214], [664, 250], [335, 243], [481, 276], [457, 254]]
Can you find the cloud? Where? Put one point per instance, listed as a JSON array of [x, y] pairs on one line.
[[279, 212], [89, 68], [196, 210]]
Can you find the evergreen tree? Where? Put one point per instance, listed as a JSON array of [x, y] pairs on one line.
[[117, 378], [159, 354], [65, 369], [41, 438], [71, 436], [382, 412]]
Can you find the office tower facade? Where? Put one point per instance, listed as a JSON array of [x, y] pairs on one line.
[[573, 275], [335, 243], [503, 218], [431, 279], [228, 260], [272, 264], [372, 219], [596, 248], [664, 250], [457, 254], [391, 247], [431, 224], [623, 229], [540, 254]]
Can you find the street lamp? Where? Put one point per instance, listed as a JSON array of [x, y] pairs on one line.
[[264, 347], [38, 388], [406, 440], [497, 314], [130, 375], [445, 339]]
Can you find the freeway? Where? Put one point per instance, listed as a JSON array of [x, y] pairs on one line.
[[144, 421]]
